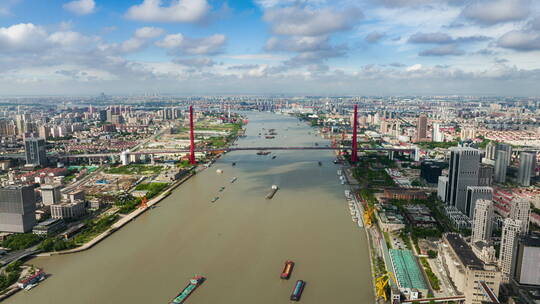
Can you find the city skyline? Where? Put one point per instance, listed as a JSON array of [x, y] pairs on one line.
[[199, 47]]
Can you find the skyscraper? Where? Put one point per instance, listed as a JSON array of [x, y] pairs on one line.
[[35, 151], [463, 172], [501, 164], [421, 128], [475, 193], [507, 148], [490, 150], [520, 209], [17, 209], [482, 221], [527, 267], [527, 162], [510, 235], [436, 134]]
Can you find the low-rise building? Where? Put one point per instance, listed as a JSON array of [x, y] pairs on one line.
[[404, 194], [49, 226], [467, 272], [67, 210]]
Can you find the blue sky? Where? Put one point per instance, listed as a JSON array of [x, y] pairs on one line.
[[295, 47]]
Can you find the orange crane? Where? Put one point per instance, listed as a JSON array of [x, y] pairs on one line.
[[144, 203]]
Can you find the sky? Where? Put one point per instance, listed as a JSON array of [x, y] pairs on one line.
[[263, 47]]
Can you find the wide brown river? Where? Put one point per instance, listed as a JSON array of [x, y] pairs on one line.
[[239, 243]]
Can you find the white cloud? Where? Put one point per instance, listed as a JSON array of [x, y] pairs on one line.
[[22, 37], [180, 44], [413, 68], [177, 11], [305, 21], [496, 11], [149, 32], [520, 40], [81, 7]]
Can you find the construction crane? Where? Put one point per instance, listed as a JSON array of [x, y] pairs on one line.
[[368, 213], [381, 283], [144, 203]]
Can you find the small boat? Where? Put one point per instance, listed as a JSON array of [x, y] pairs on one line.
[[336, 161], [287, 270], [263, 152], [188, 290], [274, 157], [234, 179], [234, 164], [297, 291], [219, 171], [214, 199], [355, 219], [272, 192], [320, 164], [221, 189]]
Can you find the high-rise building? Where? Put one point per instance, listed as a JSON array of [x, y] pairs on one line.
[[35, 151], [527, 163], [485, 175], [527, 265], [462, 173], [520, 209], [475, 193], [508, 149], [50, 194], [103, 115], [510, 235], [436, 134], [17, 209], [421, 128], [442, 187], [490, 150], [482, 221], [501, 164]]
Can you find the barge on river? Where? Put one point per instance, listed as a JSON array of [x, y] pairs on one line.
[[287, 270], [188, 290], [297, 291]]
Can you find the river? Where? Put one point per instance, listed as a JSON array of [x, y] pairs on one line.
[[239, 243]]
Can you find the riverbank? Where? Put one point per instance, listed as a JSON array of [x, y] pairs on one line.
[[123, 221]]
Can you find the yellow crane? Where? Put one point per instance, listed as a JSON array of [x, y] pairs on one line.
[[381, 283], [368, 213]]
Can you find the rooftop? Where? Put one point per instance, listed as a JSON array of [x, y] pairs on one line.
[[463, 251]]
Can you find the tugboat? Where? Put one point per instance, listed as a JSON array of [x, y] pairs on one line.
[[297, 291], [287, 270], [195, 282]]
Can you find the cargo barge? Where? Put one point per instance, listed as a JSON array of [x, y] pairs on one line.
[[272, 192], [287, 270], [188, 290], [297, 291]]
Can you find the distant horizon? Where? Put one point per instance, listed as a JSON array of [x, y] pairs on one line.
[[267, 47]]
